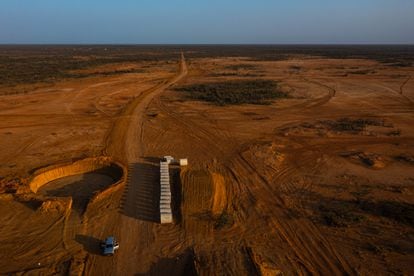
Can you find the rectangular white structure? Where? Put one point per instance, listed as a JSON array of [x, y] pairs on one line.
[[166, 218], [165, 191], [165, 201], [168, 159], [164, 204]]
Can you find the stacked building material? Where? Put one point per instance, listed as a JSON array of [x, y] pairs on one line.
[[165, 195]]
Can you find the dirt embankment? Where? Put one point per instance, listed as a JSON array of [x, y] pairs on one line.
[[102, 165], [56, 210], [219, 196]]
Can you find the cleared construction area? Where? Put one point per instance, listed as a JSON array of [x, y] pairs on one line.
[[316, 183]]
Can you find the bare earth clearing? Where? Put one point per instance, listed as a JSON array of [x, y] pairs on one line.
[[319, 181]]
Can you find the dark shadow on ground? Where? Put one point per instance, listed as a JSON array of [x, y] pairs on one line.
[[183, 264], [153, 160], [176, 193], [90, 244], [32, 204], [142, 192]]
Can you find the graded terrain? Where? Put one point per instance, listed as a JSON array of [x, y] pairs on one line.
[[301, 159]]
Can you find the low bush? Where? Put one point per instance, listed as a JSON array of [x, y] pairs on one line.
[[354, 125], [339, 215], [235, 92], [223, 220], [47, 63], [243, 66]]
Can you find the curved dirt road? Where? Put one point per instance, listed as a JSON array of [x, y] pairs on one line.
[[122, 143], [133, 222]]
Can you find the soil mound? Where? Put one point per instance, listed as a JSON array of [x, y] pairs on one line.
[[219, 196], [56, 205], [371, 160], [263, 266]]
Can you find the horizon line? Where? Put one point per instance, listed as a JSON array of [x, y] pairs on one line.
[[206, 44]]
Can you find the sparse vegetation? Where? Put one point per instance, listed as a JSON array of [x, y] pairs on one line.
[[396, 132], [32, 64], [235, 92], [392, 55], [362, 72], [354, 125], [295, 68], [406, 158], [223, 220], [398, 211], [229, 74], [242, 66], [224, 74], [339, 215]]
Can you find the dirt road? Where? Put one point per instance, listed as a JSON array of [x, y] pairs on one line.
[[132, 224]]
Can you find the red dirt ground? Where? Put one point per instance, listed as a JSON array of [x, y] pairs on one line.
[[294, 187]]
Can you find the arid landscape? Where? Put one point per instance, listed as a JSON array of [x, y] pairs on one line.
[[301, 159]]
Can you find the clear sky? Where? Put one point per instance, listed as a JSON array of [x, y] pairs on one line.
[[207, 22]]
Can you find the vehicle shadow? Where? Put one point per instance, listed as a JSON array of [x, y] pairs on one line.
[[90, 244], [140, 199]]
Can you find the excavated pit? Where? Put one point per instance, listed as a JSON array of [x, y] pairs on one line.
[[83, 180]]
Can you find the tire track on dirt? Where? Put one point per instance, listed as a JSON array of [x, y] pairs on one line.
[[314, 102], [309, 248], [299, 244], [322, 100], [399, 92], [317, 256], [193, 130], [403, 84]]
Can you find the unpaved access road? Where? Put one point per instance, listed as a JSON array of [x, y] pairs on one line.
[[124, 144]]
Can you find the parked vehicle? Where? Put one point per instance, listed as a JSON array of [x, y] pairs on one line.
[[109, 246]]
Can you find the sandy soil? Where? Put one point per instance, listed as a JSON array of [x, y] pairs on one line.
[[295, 187]]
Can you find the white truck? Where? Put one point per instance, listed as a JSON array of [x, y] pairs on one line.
[[109, 246]]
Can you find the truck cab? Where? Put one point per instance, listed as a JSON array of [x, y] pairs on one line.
[[109, 246]]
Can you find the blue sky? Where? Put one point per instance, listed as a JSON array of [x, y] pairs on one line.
[[208, 22]]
